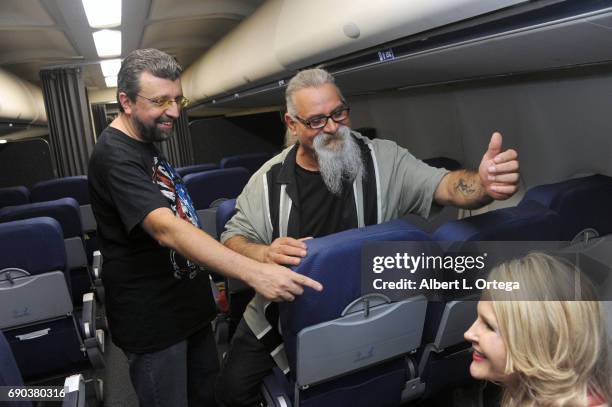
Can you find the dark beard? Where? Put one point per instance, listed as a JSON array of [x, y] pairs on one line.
[[153, 134]]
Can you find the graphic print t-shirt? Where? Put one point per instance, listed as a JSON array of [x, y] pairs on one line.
[[154, 296]]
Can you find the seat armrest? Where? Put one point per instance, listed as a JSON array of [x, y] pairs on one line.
[[275, 389], [75, 391], [88, 316], [96, 266]]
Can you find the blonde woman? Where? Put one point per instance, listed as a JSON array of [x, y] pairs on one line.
[[547, 352]]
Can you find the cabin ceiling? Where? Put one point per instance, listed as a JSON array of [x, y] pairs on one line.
[[45, 33]]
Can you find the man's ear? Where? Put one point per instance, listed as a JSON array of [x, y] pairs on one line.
[[125, 102], [291, 124]]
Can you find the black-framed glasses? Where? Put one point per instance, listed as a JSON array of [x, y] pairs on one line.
[[318, 122], [164, 103]]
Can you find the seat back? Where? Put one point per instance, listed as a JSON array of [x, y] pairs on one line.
[[582, 203], [10, 196], [206, 187], [64, 210], [9, 372], [530, 221], [225, 211], [35, 245], [447, 213], [67, 212], [443, 162], [75, 187], [334, 338], [36, 312], [192, 169], [444, 360], [252, 162], [69, 187]]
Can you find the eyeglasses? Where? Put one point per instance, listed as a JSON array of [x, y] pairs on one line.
[[164, 103], [318, 122]]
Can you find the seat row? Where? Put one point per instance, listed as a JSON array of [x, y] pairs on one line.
[[340, 344], [47, 334], [251, 162]]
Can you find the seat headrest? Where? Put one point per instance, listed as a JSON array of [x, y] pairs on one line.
[[335, 261], [14, 196], [581, 202], [443, 162], [527, 222], [192, 169], [252, 162], [65, 210], [69, 187], [34, 245], [206, 187], [225, 211]]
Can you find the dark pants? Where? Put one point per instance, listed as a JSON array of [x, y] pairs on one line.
[[179, 376], [244, 368]]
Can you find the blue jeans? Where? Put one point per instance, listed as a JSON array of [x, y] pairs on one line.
[[182, 375]]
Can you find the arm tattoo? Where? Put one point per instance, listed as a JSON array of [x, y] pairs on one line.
[[464, 188]]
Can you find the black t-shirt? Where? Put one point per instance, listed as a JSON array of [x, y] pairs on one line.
[[154, 297], [321, 212]]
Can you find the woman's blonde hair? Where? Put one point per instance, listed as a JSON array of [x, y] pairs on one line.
[[557, 349]]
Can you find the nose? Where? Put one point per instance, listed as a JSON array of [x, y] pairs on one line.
[[470, 334], [173, 110], [331, 126]]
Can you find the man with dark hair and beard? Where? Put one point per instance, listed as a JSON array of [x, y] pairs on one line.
[[332, 179], [158, 297]]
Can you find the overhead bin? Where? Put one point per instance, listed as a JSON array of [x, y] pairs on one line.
[[531, 37], [20, 100], [287, 35]]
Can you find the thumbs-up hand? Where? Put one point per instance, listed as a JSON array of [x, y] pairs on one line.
[[499, 171]]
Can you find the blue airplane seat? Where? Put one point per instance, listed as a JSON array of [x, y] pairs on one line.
[[67, 212], [36, 311], [10, 196], [344, 348], [9, 372], [583, 204], [209, 186], [443, 162], [225, 211], [69, 187], [252, 162], [445, 358], [239, 294], [447, 213], [64, 210], [192, 169], [530, 221], [43, 251]]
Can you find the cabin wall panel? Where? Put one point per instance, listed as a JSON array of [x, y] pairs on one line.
[[561, 126], [216, 138]]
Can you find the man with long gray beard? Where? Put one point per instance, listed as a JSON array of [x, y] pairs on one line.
[[158, 297], [330, 180]]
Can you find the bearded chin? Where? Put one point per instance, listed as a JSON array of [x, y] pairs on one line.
[[152, 133], [339, 158]]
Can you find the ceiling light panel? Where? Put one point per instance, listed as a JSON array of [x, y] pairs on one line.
[[103, 13], [110, 67], [111, 81], [108, 43]]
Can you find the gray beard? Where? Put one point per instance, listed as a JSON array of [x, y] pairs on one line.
[[339, 158]]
